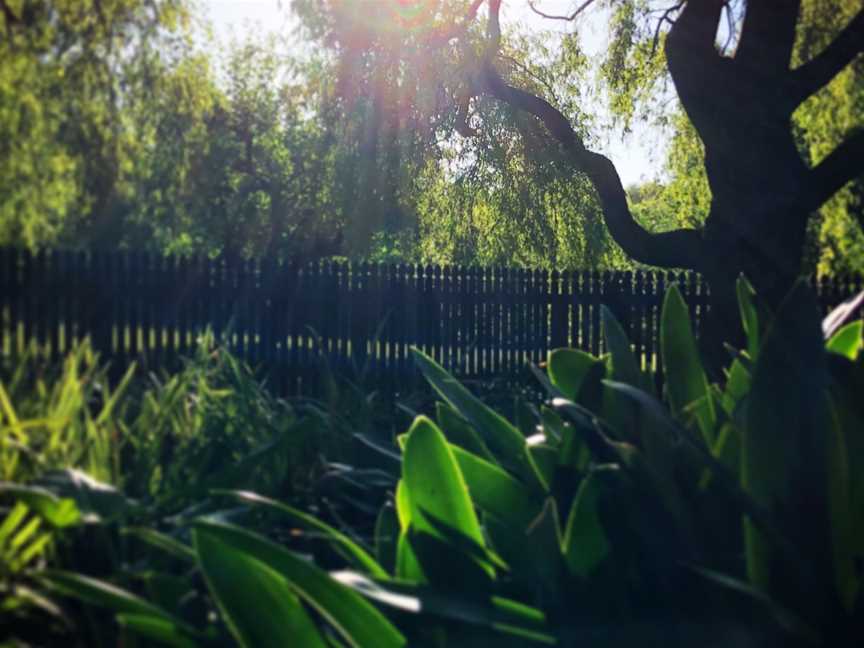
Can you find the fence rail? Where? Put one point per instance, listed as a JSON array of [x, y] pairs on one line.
[[284, 318]]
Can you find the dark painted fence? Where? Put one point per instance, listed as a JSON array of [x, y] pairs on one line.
[[286, 319]]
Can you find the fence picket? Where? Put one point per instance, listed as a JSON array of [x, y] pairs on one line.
[[474, 321]]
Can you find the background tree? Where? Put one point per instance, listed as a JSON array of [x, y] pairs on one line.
[[69, 72], [469, 179], [739, 100]]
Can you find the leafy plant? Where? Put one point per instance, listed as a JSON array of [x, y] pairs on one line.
[[611, 514]]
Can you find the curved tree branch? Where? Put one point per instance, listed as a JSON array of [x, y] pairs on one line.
[[845, 163], [569, 17], [819, 71], [681, 248]]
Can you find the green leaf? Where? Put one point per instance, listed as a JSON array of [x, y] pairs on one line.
[[157, 628], [842, 515], [117, 394], [258, 605], [782, 616], [574, 373], [352, 551], [544, 459], [585, 545], [785, 449], [59, 512], [460, 432], [407, 565], [738, 383], [749, 315], [387, 537], [533, 553], [162, 541], [435, 485], [660, 437], [848, 341], [502, 614], [685, 378], [624, 366], [497, 493], [94, 499], [100, 593], [504, 439], [355, 619]]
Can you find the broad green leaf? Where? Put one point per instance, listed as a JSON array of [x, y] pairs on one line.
[[506, 615], [848, 341], [163, 542], [846, 475], [544, 459], [660, 438], [403, 504], [786, 619], [460, 432], [354, 618], [160, 629], [553, 425], [100, 593], [497, 493], [685, 377], [841, 515], [386, 537], [785, 447], [749, 315], [738, 383], [534, 553], [504, 440], [624, 366], [258, 605], [576, 374], [585, 545], [407, 565], [436, 487], [352, 551]]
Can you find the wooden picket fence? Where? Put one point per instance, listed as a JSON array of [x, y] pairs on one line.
[[356, 317]]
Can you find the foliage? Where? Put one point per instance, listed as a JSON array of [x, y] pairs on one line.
[[84, 458], [71, 71], [710, 513]]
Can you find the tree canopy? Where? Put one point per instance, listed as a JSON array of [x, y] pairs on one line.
[[427, 130]]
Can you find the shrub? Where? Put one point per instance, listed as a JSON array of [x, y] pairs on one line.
[[707, 513]]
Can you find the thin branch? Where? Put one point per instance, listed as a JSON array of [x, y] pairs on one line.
[[530, 73], [681, 248], [730, 28], [844, 164], [569, 18], [819, 71], [665, 18]]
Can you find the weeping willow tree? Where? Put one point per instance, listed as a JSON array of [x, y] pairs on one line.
[[458, 177], [739, 97]]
